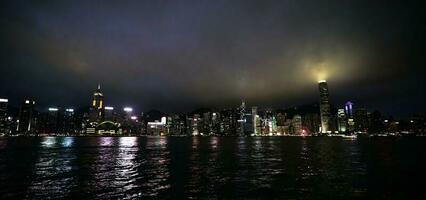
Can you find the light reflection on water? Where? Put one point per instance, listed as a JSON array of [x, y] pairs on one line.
[[68, 141], [209, 168], [128, 141], [155, 167], [105, 141], [48, 142], [126, 168], [52, 169]]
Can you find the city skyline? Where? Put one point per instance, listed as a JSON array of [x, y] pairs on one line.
[[101, 118], [318, 101], [178, 56], [106, 104]]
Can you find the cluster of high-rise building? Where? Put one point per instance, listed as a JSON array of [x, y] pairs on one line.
[[102, 119]]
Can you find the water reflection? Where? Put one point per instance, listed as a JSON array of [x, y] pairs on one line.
[[105, 141], [101, 167], [155, 168], [48, 142], [53, 169], [306, 169], [126, 172], [67, 142], [157, 142], [128, 141], [209, 168], [213, 142], [194, 142]]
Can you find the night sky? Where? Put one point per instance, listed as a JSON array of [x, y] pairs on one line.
[[179, 55]]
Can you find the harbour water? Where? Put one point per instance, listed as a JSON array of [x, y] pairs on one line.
[[212, 167]]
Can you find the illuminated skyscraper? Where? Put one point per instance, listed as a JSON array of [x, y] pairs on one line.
[[53, 125], [255, 119], [349, 109], [69, 125], [296, 124], [242, 110], [97, 108], [341, 120], [324, 106], [350, 116], [242, 119], [26, 116]]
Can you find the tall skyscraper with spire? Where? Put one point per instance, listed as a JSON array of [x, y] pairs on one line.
[[97, 108], [325, 112]]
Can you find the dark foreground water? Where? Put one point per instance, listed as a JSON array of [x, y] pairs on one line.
[[212, 168]]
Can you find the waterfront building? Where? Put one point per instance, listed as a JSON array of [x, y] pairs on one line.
[[69, 122], [286, 127], [97, 107], [3, 107], [206, 123], [375, 123], [416, 125], [129, 121], [52, 123], [215, 122], [341, 120], [325, 112], [228, 122], [157, 127], [254, 119], [360, 120], [350, 117], [57, 121], [311, 122], [296, 125], [174, 125], [194, 125], [27, 118], [242, 119], [4, 128], [109, 113], [106, 128]]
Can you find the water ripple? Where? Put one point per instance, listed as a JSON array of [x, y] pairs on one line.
[[209, 168]]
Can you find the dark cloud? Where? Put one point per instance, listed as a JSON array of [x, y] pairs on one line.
[[177, 55]]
